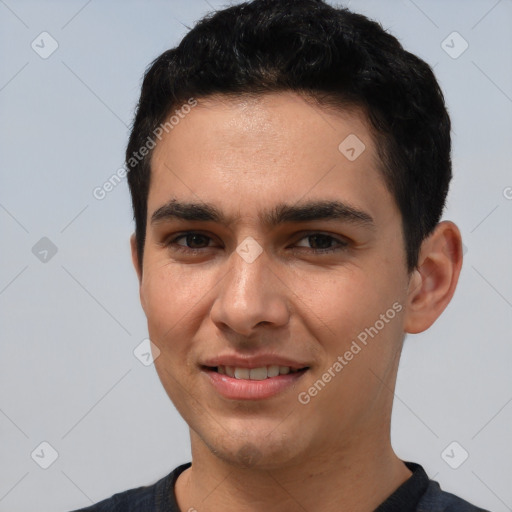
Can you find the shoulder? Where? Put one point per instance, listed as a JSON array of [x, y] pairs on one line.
[[149, 498], [139, 499], [437, 500]]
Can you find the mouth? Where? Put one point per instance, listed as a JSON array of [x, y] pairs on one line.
[[260, 373], [242, 383]]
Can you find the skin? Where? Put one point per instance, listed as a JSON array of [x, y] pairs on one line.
[[334, 453]]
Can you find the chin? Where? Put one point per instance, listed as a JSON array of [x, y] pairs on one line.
[[261, 451]]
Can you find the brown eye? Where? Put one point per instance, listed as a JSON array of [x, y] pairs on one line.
[[322, 243], [194, 242], [194, 239]]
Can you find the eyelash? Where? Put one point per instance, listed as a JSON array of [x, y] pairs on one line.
[[171, 243]]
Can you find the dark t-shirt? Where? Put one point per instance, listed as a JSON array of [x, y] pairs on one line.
[[416, 494]]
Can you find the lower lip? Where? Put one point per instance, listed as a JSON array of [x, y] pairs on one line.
[[244, 389]]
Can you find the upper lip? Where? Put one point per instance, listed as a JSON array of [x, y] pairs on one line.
[[256, 361]]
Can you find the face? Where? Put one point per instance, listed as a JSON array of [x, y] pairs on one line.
[[277, 302]]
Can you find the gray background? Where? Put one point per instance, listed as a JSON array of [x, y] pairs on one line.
[[68, 375]]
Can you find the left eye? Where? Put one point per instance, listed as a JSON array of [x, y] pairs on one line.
[[194, 239], [325, 242]]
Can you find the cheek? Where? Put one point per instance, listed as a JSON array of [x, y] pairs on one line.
[[357, 316], [173, 298], [343, 303], [175, 305]]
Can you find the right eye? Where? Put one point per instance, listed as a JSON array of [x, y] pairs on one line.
[[191, 238]]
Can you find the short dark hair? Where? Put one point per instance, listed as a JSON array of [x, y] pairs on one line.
[[337, 58]]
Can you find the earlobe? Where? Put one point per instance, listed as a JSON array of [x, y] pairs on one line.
[[433, 283]]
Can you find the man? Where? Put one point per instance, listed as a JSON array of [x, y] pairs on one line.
[[289, 164]]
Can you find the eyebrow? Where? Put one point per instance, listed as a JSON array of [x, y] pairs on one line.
[[279, 214]]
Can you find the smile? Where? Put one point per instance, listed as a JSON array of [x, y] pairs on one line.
[[261, 373], [240, 383]]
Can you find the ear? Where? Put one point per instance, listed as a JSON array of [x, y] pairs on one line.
[[137, 266], [433, 283]]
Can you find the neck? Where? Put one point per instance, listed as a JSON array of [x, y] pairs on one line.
[[337, 481]]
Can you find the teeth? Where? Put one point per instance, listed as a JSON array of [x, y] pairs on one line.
[[273, 371], [258, 373], [242, 373], [261, 373]]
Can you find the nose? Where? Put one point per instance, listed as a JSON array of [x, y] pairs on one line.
[[250, 295]]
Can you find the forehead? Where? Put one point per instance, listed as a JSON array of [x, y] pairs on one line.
[[268, 149], [267, 122]]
